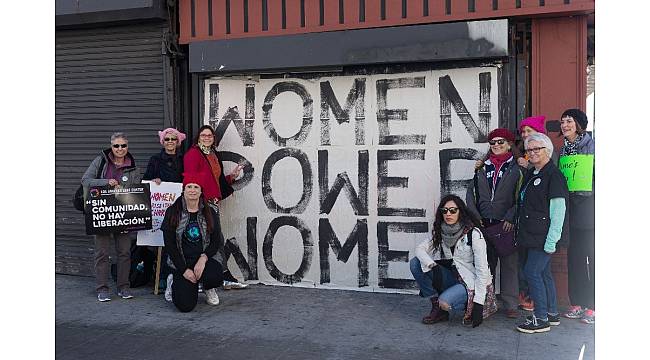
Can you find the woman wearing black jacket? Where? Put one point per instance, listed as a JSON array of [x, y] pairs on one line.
[[192, 238]]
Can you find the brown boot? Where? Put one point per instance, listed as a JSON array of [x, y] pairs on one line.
[[436, 314]]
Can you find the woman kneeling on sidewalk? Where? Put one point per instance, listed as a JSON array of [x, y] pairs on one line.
[[452, 268], [192, 237]]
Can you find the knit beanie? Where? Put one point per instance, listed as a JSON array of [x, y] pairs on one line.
[[535, 122], [578, 116], [502, 133], [192, 178]]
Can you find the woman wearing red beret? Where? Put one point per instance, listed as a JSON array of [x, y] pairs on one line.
[[193, 237], [493, 200]]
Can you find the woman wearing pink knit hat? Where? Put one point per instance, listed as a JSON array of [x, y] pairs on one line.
[[168, 164], [527, 127]]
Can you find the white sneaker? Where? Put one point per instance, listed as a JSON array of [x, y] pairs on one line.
[[168, 289], [230, 285], [211, 297]]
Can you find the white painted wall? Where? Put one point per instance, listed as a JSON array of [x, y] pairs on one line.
[[424, 176]]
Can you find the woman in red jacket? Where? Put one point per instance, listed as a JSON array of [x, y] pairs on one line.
[[202, 159]]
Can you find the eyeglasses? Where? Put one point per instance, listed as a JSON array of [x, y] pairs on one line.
[[170, 139], [206, 135], [500, 142], [535, 150], [117, 146], [452, 210]]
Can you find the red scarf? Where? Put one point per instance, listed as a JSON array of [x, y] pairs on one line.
[[498, 160]]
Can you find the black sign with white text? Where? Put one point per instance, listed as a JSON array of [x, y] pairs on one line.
[[121, 209]]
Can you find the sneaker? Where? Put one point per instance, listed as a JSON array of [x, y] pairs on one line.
[[211, 297], [103, 296], [525, 303], [125, 294], [574, 312], [534, 325], [168, 289], [554, 319], [589, 317], [233, 285]]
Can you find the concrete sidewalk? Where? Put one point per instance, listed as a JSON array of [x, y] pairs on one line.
[[269, 322]]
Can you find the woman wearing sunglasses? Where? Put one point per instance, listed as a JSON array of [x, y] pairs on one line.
[[541, 224], [114, 167], [167, 165], [580, 255], [452, 269], [202, 159], [493, 200]]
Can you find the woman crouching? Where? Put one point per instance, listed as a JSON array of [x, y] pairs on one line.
[[192, 237], [452, 268]]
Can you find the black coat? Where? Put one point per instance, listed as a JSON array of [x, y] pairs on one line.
[[166, 167], [533, 218]]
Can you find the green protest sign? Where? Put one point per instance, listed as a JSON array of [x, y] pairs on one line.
[[578, 171]]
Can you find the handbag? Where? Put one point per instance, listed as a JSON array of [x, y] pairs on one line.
[[503, 241]]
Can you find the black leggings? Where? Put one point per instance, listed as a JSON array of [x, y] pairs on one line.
[[580, 261], [185, 293]]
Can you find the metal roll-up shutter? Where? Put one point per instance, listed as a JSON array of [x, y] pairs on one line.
[[107, 79]]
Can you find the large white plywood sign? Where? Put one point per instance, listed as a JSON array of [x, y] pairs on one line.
[[343, 173]]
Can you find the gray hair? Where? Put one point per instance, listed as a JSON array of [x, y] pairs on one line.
[[117, 135], [542, 138]]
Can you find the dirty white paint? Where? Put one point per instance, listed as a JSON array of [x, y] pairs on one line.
[[300, 133]]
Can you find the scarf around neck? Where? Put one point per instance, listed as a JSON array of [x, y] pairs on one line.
[[498, 160], [205, 149], [571, 148], [451, 233]]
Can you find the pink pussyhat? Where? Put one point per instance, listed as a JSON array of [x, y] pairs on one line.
[[179, 135], [535, 122]]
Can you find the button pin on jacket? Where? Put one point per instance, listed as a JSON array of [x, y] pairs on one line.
[[125, 178], [537, 181]]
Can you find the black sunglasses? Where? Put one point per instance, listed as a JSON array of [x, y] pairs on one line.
[[500, 142], [452, 210], [170, 139], [117, 146]]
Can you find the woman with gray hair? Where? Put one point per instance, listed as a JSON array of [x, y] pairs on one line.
[[541, 223], [114, 167]]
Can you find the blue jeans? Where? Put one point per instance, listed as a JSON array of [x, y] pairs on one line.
[[540, 283], [448, 289]]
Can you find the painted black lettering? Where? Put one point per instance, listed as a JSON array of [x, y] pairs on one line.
[[449, 98], [247, 171], [384, 182], [327, 238], [356, 98], [447, 185], [307, 184], [213, 110], [267, 249], [385, 115], [244, 127], [328, 196], [385, 254], [307, 112]]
